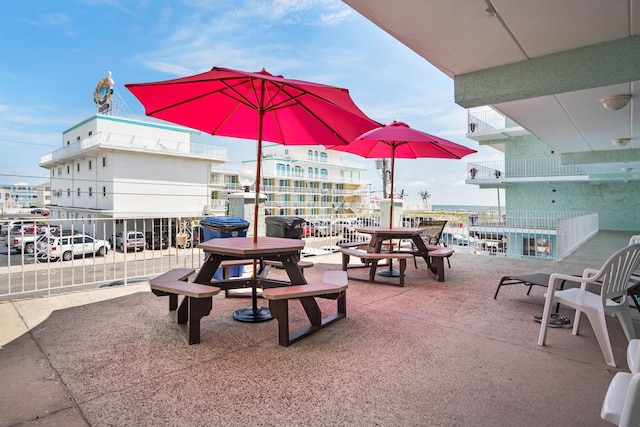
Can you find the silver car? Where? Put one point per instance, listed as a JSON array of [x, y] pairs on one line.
[[131, 240], [68, 247]]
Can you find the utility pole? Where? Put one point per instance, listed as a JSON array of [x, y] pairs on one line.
[[383, 169]]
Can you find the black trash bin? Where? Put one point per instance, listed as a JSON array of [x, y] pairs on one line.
[[222, 227], [289, 227]]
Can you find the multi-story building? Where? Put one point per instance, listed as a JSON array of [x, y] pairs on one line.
[[301, 180], [19, 195], [114, 167], [570, 77]]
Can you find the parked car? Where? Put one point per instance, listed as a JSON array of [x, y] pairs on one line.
[[14, 226], [456, 239], [131, 240], [320, 228], [25, 239], [40, 211], [344, 226], [308, 229], [156, 239], [68, 247]]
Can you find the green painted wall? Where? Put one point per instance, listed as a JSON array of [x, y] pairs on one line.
[[616, 202]]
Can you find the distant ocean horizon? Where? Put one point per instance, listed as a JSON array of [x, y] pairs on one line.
[[465, 208]]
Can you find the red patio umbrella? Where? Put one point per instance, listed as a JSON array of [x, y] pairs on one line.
[[257, 106], [398, 140]]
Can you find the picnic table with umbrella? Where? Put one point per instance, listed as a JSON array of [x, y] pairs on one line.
[[398, 140], [257, 106]]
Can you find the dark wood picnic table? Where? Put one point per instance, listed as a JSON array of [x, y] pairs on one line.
[[381, 234], [286, 251]]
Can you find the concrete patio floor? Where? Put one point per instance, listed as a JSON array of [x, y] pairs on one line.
[[428, 354]]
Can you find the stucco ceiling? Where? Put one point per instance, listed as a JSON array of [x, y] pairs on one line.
[[469, 38]]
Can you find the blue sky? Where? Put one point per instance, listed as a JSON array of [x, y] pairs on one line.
[[53, 53]]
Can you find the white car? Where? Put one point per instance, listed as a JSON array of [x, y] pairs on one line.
[[68, 247]]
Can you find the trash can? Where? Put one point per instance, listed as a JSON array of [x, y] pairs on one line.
[[223, 227], [289, 227]]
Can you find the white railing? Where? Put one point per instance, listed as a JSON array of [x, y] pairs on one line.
[[136, 142], [487, 119], [539, 234], [547, 235], [521, 168], [572, 232]]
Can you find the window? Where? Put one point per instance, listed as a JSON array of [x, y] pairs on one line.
[[59, 171], [68, 192], [90, 132], [78, 191], [78, 167], [68, 169], [68, 142], [310, 155], [104, 162], [90, 191], [323, 157], [104, 191], [90, 164], [78, 138], [280, 169]]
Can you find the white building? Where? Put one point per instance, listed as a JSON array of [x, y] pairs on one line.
[[310, 180], [113, 167]]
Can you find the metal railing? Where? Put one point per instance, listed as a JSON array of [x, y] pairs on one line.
[[538, 234], [488, 119], [548, 235], [158, 145], [521, 168]]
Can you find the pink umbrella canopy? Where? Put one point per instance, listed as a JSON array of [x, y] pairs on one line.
[[257, 106], [398, 140]]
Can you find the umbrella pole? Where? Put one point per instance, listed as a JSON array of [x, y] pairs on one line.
[[393, 167], [391, 272], [255, 313]]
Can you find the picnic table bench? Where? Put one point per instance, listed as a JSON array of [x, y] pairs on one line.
[[265, 268], [370, 257], [333, 286], [438, 254], [195, 305]]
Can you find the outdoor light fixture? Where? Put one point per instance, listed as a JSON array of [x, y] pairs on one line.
[[615, 102], [246, 178], [620, 142]]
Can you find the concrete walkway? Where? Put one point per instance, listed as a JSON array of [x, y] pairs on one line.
[[428, 354]]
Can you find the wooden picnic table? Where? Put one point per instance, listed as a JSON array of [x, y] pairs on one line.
[[286, 251], [381, 234]]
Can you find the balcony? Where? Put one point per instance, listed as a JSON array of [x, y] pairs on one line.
[[485, 123], [522, 170], [539, 234], [444, 354], [135, 143]]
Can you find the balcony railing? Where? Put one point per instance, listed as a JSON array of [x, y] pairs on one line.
[[521, 168], [539, 234], [488, 119], [135, 142]]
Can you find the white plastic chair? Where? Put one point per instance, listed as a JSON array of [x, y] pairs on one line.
[[633, 356], [613, 278], [621, 405]]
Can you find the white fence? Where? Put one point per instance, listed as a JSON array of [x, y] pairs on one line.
[[22, 276]]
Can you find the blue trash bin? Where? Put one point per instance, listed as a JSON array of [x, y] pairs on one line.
[[223, 227]]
